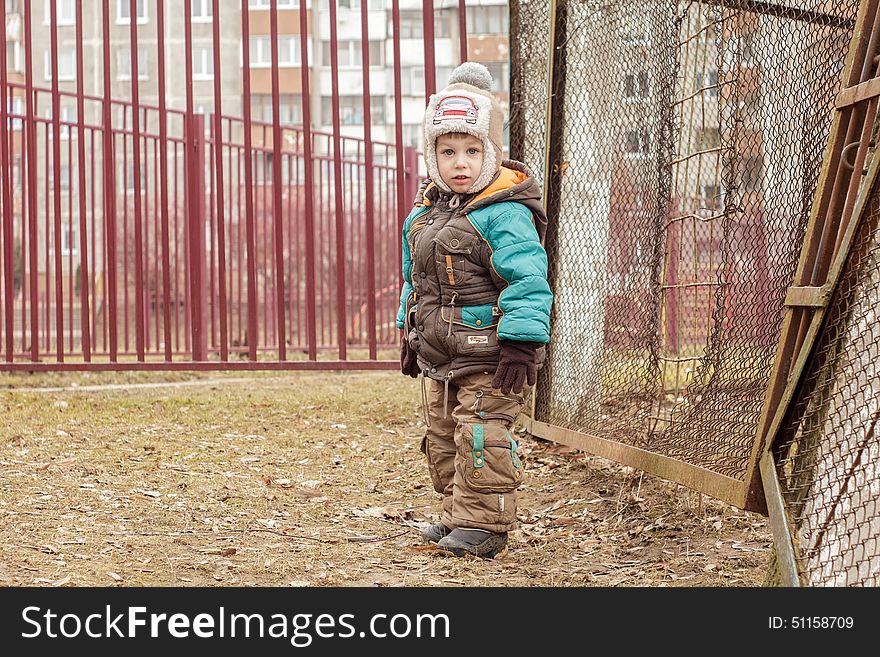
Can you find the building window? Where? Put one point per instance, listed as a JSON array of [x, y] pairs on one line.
[[126, 174], [123, 12], [123, 64], [412, 81], [66, 65], [711, 197], [708, 82], [350, 53], [63, 176], [752, 173], [13, 56], [65, 12], [15, 107], [638, 144], [263, 171], [267, 4], [500, 75], [490, 19], [289, 53], [636, 30], [66, 117], [373, 5], [351, 110], [708, 139], [203, 63], [70, 239], [414, 136], [636, 87], [289, 108], [411, 25], [202, 11]]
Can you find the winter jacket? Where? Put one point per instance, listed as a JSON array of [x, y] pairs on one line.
[[475, 272]]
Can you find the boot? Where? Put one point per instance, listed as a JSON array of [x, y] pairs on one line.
[[478, 542], [434, 533]]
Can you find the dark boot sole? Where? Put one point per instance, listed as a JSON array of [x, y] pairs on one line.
[[488, 549]]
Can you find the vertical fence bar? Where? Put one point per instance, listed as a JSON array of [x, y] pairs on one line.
[[218, 163], [56, 184], [31, 128], [136, 175], [210, 299], [163, 180], [194, 220], [411, 172], [277, 196], [368, 182], [144, 173], [462, 31], [84, 276], [109, 189], [5, 171], [402, 200], [337, 185], [308, 183], [195, 226], [251, 334], [428, 32]]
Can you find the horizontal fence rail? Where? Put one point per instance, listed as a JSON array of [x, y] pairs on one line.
[[176, 208]]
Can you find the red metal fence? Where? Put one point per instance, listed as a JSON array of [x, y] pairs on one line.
[[141, 235]]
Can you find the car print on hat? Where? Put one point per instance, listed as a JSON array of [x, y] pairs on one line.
[[455, 108]]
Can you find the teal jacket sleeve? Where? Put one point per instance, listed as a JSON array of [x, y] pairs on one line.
[[407, 288], [519, 258]]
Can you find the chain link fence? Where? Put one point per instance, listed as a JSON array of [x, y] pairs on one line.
[[685, 145], [827, 453]]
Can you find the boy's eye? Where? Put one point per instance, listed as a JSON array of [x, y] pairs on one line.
[[473, 151], [449, 151]]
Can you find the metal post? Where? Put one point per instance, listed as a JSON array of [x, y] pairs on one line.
[[195, 227]]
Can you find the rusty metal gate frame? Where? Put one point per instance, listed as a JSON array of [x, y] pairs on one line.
[[838, 208], [837, 200]]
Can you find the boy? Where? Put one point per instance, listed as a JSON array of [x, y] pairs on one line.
[[475, 311]]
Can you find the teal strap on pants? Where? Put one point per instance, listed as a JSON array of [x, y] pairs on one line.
[[479, 440], [513, 448]]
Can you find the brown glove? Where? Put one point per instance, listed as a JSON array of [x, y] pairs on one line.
[[516, 366], [408, 363]]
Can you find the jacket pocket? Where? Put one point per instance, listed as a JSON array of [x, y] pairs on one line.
[[453, 253], [490, 462], [473, 329], [409, 312]]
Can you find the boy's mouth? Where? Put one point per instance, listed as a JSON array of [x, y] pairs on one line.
[[461, 178]]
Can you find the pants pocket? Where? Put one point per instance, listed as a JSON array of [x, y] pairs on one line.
[[489, 460]]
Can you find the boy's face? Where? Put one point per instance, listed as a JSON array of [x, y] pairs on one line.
[[459, 160]]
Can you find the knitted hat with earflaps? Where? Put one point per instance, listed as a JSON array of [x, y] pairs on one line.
[[466, 105]]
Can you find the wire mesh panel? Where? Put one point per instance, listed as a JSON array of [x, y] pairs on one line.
[[686, 145], [827, 458], [530, 82]]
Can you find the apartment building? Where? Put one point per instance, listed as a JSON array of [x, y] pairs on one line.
[[487, 42]]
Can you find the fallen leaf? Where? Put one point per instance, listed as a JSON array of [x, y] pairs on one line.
[[62, 581], [115, 576]]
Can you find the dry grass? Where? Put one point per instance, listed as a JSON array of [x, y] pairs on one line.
[[314, 479]]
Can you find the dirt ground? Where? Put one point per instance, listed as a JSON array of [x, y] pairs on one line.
[[307, 479]]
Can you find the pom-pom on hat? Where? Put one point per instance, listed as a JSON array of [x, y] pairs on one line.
[[466, 105]]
